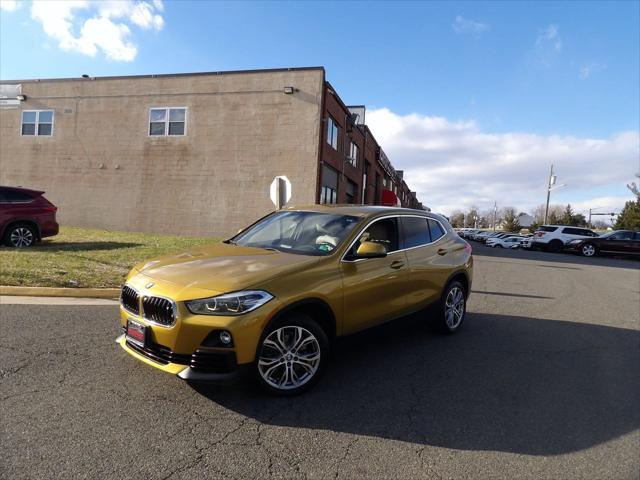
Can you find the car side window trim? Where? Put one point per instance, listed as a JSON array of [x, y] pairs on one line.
[[343, 259]]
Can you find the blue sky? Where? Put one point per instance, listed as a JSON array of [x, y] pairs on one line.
[[543, 69]]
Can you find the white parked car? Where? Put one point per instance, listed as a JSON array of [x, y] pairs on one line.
[[512, 241], [555, 237]]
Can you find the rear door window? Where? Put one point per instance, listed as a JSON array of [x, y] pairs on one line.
[[545, 228], [435, 230], [415, 232]]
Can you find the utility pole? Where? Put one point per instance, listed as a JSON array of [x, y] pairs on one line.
[[495, 211], [551, 185]]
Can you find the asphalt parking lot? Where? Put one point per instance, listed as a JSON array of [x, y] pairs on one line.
[[541, 383]]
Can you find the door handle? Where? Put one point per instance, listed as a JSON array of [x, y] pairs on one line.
[[443, 251], [397, 264]]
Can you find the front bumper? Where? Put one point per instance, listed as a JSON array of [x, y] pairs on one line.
[[572, 247], [193, 371]]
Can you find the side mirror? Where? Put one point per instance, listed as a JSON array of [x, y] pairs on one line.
[[371, 250]]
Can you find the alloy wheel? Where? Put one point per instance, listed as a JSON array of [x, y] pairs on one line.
[[21, 237], [588, 250], [454, 308], [289, 357]]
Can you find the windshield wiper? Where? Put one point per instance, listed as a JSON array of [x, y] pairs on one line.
[[230, 242]]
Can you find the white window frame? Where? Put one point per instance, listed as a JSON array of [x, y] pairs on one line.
[[166, 122], [330, 138], [353, 159], [37, 124]]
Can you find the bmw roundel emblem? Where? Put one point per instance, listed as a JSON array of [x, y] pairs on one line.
[[149, 285]]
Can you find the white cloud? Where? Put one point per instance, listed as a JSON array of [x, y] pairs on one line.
[[589, 69], [455, 165], [9, 5], [549, 38], [106, 29], [467, 25]]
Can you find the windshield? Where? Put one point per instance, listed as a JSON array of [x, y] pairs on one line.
[[306, 233]]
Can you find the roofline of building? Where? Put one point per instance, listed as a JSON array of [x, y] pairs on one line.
[[165, 75]]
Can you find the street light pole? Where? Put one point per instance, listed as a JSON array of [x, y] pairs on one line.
[[551, 186], [549, 183], [495, 211]]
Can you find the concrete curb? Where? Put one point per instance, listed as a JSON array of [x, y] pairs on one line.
[[110, 293]]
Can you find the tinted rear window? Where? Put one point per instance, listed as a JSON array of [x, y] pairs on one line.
[[15, 196], [544, 228], [435, 230]]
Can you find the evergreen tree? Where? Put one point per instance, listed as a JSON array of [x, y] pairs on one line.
[[510, 223], [629, 218], [567, 216]]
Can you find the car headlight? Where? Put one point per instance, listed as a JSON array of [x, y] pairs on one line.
[[236, 303]]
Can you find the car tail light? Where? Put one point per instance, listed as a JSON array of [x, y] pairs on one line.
[[50, 209], [539, 234], [467, 248]]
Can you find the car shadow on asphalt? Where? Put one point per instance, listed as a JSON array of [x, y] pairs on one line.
[[615, 261], [505, 383]]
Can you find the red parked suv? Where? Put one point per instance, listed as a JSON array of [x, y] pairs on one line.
[[25, 217]]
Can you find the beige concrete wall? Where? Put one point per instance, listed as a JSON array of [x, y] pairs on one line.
[[102, 169]]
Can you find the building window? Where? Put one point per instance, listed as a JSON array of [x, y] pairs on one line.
[[350, 192], [167, 121], [332, 133], [37, 122], [353, 154], [329, 189]]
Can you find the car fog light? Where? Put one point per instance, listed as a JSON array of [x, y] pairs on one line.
[[225, 337]]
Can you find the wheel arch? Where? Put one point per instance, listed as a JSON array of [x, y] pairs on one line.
[[463, 278], [316, 308], [17, 221]]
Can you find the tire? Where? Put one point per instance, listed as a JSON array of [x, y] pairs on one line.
[[555, 246], [20, 235], [497, 245], [278, 366], [444, 323], [588, 250]]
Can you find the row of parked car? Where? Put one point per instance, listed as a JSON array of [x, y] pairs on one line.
[[558, 238]]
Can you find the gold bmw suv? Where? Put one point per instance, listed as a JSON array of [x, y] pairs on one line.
[[272, 298]]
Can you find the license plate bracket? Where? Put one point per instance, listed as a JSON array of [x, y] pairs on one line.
[[136, 333]]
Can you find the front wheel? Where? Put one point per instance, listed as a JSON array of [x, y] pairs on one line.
[[588, 250], [291, 355], [452, 308], [497, 245]]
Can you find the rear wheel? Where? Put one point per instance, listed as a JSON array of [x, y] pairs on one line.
[[588, 250], [452, 308], [497, 245], [292, 355], [20, 235]]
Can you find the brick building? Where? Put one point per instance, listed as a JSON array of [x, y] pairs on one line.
[[189, 153]]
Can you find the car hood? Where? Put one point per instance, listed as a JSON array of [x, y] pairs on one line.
[[216, 269]]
